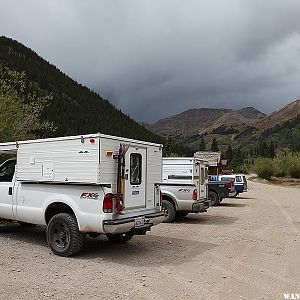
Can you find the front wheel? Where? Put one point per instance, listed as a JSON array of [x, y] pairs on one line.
[[63, 235], [120, 238], [214, 198]]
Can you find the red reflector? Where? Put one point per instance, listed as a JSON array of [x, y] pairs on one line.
[[194, 197], [108, 203], [92, 141]]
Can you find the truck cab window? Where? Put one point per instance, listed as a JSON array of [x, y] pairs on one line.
[[135, 168], [7, 170], [238, 179]]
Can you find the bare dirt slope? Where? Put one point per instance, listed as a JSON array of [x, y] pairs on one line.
[[204, 120], [248, 248]]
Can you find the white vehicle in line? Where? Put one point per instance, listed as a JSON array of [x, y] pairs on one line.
[[78, 185], [184, 186], [239, 183]]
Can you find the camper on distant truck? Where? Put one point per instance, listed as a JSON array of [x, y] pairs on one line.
[[184, 187], [90, 184]]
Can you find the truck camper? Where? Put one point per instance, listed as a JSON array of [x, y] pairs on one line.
[[77, 185]]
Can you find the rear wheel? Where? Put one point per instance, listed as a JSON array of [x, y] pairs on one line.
[[120, 238], [170, 210], [63, 235], [214, 198]]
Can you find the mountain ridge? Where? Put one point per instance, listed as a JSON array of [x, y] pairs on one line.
[[203, 120], [244, 128], [57, 100]]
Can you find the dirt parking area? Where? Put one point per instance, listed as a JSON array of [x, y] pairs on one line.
[[247, 248]]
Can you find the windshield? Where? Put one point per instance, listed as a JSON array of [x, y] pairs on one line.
[[227, 179]]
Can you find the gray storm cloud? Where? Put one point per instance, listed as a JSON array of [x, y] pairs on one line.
[[156, 58]]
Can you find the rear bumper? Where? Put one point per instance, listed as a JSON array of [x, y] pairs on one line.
[[128, 224], [239, 188], [200, 206]]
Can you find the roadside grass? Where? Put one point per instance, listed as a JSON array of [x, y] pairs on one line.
[[279, 181]]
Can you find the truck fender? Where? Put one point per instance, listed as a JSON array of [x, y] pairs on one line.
[[171, 197], [63, 199]]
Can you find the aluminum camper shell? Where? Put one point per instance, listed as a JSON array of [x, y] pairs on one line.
[[188, 170]]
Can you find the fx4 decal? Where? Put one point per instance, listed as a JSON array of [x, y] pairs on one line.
[[93, 196], [184, 190]]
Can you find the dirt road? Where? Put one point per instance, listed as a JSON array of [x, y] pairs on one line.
[[247, 248]]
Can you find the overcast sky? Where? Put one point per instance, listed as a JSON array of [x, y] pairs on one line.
[[155, 58]]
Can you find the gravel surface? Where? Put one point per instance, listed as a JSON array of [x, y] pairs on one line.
[[247, 248]]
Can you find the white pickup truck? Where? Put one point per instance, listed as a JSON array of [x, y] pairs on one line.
[[184, 187], [78, 185]]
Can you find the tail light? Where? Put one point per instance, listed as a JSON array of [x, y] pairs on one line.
[[229, 185], [108, 203], [194, 197]]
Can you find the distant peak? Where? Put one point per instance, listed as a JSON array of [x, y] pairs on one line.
[[251, 113]]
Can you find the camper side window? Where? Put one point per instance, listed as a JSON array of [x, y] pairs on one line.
[[7, 170], [135, 168]]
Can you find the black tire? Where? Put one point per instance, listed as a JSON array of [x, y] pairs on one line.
[[120, 238], [214, 198], [63, 235], [181, 214], [170, 210], [24, 224]]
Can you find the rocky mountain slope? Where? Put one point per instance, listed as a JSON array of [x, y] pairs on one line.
[[280, 116], [245, 127], [205, 120]]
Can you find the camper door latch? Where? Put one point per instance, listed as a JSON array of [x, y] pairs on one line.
[[117, 156]]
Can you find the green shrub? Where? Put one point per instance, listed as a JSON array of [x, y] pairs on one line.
[[280, 167], [264, 168], [294, 169], [244, 169]]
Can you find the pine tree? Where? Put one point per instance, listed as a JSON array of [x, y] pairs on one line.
[[272, 153], [214, 145], [229, 153], [202, 145]]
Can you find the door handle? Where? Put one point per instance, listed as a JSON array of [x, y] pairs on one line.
[[10, 189]]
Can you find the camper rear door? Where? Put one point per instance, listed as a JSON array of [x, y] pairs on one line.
[[135, 178]]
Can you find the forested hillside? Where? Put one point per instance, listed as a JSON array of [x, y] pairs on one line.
[[38, 100]]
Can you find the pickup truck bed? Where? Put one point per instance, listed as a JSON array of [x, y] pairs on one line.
[[218, 190], [180, 199]]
